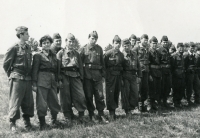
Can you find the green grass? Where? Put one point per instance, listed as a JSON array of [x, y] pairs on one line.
[[171, 123]]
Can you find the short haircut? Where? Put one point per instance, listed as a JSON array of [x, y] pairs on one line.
[[18, 35], [44, 38]]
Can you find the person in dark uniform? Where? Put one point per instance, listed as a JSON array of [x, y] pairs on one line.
[[94, 74], [155, 75], [138, 41], [166, 84], [17, 65], [178, 75], [143, 54], [192, 79], [133, 40], [57, 42], [45, 78], [131, 70], [113, 62], [71, 75]]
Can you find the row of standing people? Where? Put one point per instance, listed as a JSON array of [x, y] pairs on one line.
[[80, 76]]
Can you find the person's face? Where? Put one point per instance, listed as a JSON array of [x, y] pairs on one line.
[[181, 49], [70, 44], [127, 47], [164, 44], [144, 42], [92, 40], [25, 36], [153, 45], [58, 42], [133, 41], [35, 45], [116, 45], [46, 44], [187, 48], [192, 49]]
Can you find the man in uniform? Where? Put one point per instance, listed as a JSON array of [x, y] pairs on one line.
[[166, 70], [71, 75], [94, 73], [138, 41], [17, 65], [113, 62], [143, 54], [133, 40], [57, 41], [131, 70], [192, 79], [155, 75], [178, 75]]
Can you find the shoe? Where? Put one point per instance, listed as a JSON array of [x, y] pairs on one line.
[[43, 125], [83, 120], [149, 108], [141, 107], [13, 127], [68, 122], [128, 114], [94, 120], [111, 118], [27, 123], [103, 120]]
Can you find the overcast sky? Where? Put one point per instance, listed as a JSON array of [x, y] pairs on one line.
[[178, 19]]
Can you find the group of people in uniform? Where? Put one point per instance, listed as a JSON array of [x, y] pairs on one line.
[[143, 71]]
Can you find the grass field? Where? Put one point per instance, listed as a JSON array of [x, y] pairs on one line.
[[170, 123]]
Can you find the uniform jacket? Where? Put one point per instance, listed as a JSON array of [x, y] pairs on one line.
[[197, 63], [154, 59], [165, 60], [93, 62], [45, 69], [189, 61], [70, 59], [113, 62], [177, 65], [17, 61], [143, 55], [131, 63]]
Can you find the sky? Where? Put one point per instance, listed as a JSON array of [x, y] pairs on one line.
[[178, 19]]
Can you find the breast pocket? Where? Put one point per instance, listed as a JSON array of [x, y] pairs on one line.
[[65, 61], [20, 59]]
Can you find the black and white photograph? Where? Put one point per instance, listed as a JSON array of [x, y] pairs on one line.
[[99, 68]]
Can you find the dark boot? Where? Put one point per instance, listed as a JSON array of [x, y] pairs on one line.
[[82, 119], [13, 126], [128, 113], [102, 118], [141, 106], [43, 124], [27, 123], [112, 115], [54, 123]]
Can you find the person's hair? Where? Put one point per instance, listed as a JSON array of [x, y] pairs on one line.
[[18, 35], [44, 38]]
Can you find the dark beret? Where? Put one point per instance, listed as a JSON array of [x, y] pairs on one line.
[[108, 47], [56, 36], [21, 29], [154, 39], [164, 38], [138, 39], [192, 44], [94, 34], [70, 37], [117, 39], [180, 45], [126, 41], [144, 36], [132, 37]]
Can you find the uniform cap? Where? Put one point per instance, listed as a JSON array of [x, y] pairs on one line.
[[93, 34], [117, 39], [192, 44], [180, 45], [154, 39], [132, 37], [145, 36], [21, 29], [138, 39], [56, 36], [164, 38], [70, 37], [125, 41]]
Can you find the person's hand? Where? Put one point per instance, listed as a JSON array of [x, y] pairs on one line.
[[139, 80], [122, 82], [150, 78], [60, 84], [103, 79]]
